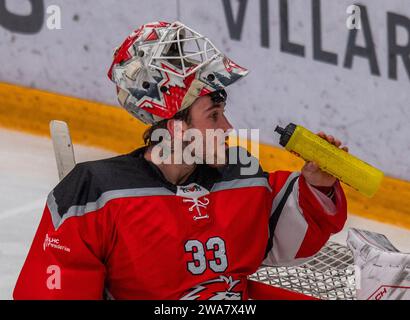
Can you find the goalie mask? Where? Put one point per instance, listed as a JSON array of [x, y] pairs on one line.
[[161, 68]]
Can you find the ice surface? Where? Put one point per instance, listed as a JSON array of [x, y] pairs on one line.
[[28, 172]]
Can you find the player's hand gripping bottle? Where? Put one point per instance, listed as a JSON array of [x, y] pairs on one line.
[[337, 162]]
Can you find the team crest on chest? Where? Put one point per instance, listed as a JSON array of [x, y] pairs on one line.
[[195, 194]]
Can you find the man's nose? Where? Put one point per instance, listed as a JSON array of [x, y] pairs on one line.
[[226, 124]]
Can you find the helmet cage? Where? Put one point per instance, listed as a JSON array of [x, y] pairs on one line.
[[162, 68], [184, 48]]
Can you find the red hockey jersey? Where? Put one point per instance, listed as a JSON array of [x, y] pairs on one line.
[[116, 228]]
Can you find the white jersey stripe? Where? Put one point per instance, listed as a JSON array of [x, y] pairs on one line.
[[290, 230]]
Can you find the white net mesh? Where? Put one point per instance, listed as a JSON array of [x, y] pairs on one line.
[[329, 275], [184, 48]]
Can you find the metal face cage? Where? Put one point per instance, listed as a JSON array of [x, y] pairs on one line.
[[183, 48]]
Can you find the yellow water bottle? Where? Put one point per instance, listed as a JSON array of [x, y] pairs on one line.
[[337, 162]]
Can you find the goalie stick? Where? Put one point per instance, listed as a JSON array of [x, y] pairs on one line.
[[63, 147]]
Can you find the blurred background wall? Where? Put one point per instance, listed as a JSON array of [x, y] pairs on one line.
[[306, 66]]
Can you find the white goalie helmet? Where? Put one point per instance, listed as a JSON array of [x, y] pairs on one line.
[[161, 68]]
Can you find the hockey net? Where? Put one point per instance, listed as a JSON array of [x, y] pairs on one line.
[[329, 275]]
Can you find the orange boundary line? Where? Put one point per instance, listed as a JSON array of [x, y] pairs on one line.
[[112, 128]]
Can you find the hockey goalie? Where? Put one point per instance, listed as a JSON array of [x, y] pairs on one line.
[[133, 227]]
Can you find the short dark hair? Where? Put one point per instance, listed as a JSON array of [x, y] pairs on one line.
[[184, 115]]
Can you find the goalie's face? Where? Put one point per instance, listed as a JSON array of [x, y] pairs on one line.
[[209, 119]]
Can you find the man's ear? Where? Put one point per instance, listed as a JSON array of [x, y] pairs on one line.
[[170, 127], [176, 127]]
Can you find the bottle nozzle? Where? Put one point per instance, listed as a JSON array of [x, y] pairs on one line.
[[285, 133], [279, 130]]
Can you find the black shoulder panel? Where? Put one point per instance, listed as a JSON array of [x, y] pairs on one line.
[[89, 180]]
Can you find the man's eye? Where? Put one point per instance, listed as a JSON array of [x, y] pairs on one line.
[[214, 115]]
